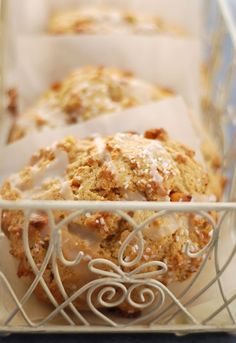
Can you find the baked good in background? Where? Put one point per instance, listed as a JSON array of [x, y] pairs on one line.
[[92, 91], [99, 20], [125, 166], [85, 94]]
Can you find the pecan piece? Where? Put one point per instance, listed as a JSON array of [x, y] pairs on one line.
[[38, 221], [179, 196], [159, 134]]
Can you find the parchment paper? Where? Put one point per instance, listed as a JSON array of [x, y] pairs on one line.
[[166, 61], [169, 114], [30, 17]]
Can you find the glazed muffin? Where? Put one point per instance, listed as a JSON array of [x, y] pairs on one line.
[[85, 94], [125, 166], [95, 20]]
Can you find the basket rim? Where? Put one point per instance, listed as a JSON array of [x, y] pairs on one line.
[[116, 205]]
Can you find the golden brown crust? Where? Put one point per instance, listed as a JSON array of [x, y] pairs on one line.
[[120, 167], [85, 94], [107, 20]]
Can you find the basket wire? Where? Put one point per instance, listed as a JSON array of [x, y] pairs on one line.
[[162, 309]]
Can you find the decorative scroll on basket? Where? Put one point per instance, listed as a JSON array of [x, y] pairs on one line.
[[112, 285]]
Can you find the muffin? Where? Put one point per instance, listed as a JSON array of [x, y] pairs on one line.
[[85, 94], [125, 166], [95, 20]]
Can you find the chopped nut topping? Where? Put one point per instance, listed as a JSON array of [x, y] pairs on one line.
[[38, 220], [159, 134], [177, 196]]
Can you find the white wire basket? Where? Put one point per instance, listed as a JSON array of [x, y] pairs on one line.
[[160, 308]]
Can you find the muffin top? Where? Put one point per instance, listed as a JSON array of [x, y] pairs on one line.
[[125, 166], [85, 94], [97, 20]]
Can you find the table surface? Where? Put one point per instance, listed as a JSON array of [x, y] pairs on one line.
[[115, 338]]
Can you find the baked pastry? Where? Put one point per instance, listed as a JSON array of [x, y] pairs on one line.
[[126, 166], [97, 20], [86, 93]]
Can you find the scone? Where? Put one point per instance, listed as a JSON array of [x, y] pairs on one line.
[[85, 94], [126, 166], [97, 20]]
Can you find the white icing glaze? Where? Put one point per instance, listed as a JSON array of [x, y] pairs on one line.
[[66, 191], [71, 248], [47, 110], [127, 182], [105, 155], [86, 234], [150, 151], [110, 165], [15, 181], [100, 145], [55, 169], [102, 221], [169, 225]]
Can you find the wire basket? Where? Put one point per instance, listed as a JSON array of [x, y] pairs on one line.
[[139, 282]]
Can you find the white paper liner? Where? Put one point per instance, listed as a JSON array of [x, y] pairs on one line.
[[171, 114], [168, 62], [31, 16]]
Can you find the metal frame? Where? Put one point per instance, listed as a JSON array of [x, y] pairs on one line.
[[158, 320]]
